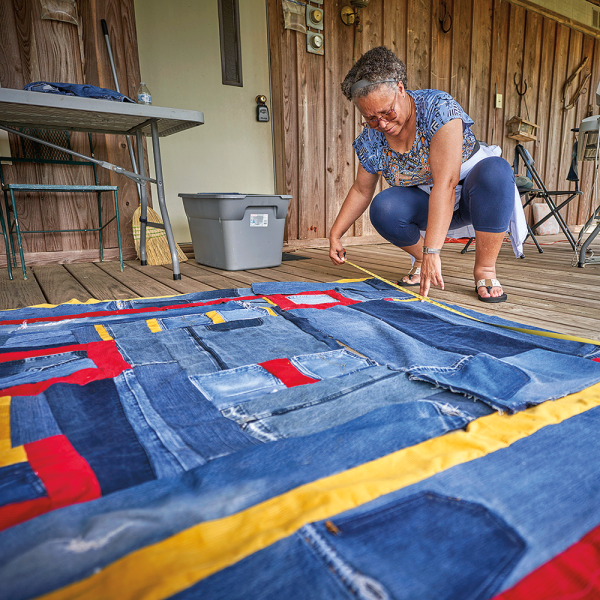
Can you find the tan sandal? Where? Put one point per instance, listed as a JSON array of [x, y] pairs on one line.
[[413, 271]]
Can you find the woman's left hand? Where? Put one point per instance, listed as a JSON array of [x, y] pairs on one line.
[[431, 273]]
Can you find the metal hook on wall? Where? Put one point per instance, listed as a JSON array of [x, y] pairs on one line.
[[448, 16], [519, 85]]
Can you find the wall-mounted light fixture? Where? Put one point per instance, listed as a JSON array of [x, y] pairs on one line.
[[351, 16]]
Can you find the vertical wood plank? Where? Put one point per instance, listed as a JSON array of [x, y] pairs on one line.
[[546, 92], [500, 19], [418, 40], [339, 115], [514, 61], [441, 48], [479, 80], [531, 70], [461, 52], [580, 110], [586, 172], [395, 26]]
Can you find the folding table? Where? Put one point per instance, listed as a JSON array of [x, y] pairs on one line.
[[20, 108]]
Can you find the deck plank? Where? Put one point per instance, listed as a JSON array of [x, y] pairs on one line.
[[163, 275], [20, 292], [98, 283], [141, 284], [58, 285]]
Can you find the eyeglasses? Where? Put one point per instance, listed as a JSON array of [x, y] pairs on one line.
[[390, 115]]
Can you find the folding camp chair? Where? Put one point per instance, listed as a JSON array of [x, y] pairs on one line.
[[540, 191], [37, 153]]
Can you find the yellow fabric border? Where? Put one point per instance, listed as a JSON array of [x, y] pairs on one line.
[[215, 317], [270, 311], [163, 569], [153, 325], [8, 454], [350, 280], [104, 335]]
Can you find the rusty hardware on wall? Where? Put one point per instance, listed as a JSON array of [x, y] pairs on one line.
[[580, 90], [446, 15]]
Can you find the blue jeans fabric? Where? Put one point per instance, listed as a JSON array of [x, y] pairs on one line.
[[31, 420], [510, 383], [384, 554], [443, 329], [18, 483], [75, 89], [158, 509], [93, 420], [232, 386], [399, 214], [41, 368], [305, 410]]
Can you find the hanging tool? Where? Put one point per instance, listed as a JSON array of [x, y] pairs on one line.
[[580, 90], [522, 93], [448, 16], [569, 81], [114, 72]]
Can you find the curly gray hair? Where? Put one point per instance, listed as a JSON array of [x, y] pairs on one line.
[[375, 65]]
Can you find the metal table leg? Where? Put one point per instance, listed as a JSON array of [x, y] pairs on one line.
[[161, 201], [143, 198]]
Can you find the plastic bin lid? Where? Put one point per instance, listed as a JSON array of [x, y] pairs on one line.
[[234, 195]]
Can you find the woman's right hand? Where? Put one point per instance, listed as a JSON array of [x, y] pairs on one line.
[[337, 254]]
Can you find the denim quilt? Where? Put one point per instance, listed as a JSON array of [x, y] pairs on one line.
[[294, 440]]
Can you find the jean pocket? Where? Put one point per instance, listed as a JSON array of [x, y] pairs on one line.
[[482, 376], [424, 546], [229, 387]]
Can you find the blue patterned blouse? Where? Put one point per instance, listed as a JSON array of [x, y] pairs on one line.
[[434, 109]]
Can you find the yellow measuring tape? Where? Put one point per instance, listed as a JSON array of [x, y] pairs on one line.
[[549, 334]]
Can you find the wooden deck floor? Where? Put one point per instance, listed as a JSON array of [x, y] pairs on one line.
[[543, 290]]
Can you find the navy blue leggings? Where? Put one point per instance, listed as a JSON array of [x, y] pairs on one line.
[[486, 202]]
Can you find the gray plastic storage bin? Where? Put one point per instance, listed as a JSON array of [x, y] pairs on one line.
[[236, 231]]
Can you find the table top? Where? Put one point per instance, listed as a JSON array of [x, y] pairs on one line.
[[21, 108]]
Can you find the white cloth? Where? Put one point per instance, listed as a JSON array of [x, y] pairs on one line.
[[517, 227]]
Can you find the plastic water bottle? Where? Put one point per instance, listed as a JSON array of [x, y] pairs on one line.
[[143, 95]]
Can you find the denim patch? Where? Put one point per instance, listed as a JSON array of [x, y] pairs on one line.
[[481, 376], [41, 368], [227, 387], [407, 549], [306, 410], [18, 483], [187, 413], [31, 420], [93, 420], [330, 364]]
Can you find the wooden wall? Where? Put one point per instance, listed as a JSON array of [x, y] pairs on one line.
[[35, 49], [490, 41]]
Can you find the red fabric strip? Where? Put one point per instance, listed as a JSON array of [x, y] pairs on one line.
[[66, 475], [571, 575], [105, 355], [596, 359], [283, 369], [336, 300], [125, 311]]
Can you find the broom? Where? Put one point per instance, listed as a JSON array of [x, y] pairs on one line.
[[157, 247]]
